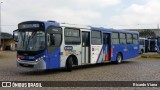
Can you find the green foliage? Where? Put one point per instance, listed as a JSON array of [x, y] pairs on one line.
[[6, 35], [146, 33]]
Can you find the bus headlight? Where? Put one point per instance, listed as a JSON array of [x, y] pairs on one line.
[[40, 58]]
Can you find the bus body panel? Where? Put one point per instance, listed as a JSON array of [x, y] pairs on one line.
[[69, 50], [53, 59], [130, 51], [66, 53], [63, 53], [41, 64], [117, 49], [96, 54], [133, 51]]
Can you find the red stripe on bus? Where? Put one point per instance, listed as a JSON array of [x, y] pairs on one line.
[[107, 58]]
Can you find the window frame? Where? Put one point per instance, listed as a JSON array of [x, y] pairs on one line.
[[54, 33], [129, 38], [92, 38], [71, 29], [118, 38], [78, 37], [122, 38], [141, 41], [52, 48], [135, 39]]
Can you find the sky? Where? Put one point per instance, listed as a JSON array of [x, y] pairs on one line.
[[83, 12]]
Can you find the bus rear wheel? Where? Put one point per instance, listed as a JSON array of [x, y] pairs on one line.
[[119, 58], [69, 65]]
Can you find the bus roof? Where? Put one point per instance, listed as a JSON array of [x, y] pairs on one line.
[[92, 28], [112, 30], [54, 23]]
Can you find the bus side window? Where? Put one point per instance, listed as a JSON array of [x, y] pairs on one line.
[[96, 37], [115, 38], [50, 39], [122, 38]]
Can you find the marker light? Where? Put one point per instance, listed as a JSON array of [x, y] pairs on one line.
[[40, 58]]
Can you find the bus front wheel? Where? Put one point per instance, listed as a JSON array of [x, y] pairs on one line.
[[119, 58], [69, 64]]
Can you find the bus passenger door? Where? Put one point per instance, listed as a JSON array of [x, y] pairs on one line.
[[146, 46], [54, 38], [85, 47], [106, 46]]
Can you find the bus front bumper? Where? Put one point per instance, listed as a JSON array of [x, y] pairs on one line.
[[32, 65]]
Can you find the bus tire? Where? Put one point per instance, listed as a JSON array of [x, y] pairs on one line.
[[69, 64], [119, 58]]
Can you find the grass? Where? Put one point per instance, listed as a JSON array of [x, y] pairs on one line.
[[153, 55]]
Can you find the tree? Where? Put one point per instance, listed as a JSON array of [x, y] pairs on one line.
[[147, 33]]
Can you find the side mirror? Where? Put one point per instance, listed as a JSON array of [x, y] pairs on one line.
[[15, 35]]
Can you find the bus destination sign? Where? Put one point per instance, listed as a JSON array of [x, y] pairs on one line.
[[27, 25]]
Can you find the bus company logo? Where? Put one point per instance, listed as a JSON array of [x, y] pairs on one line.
[[135, 47], [68, 48], [6, 84]]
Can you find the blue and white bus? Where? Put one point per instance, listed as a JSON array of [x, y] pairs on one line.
[[49, 45], [144, 45], [158, 44]]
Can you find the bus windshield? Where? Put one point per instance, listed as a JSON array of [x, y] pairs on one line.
[[31, 40]]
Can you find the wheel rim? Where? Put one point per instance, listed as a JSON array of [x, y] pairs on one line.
[[119, 58]]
